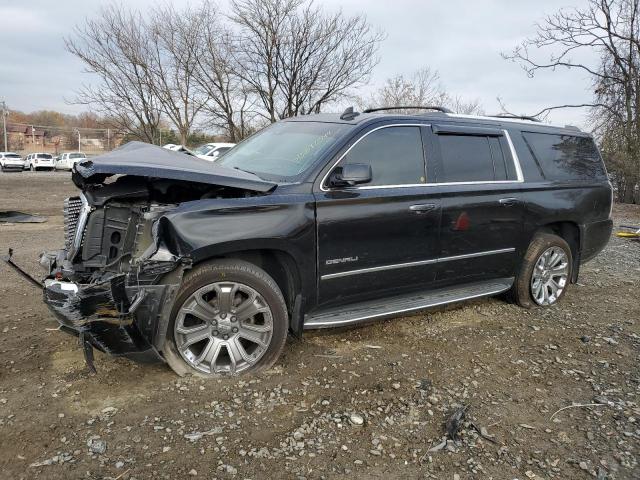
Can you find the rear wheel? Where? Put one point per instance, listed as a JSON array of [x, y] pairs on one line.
[[229, 318], [545, 272]]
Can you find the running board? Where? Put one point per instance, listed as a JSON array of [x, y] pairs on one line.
[[389, 307]]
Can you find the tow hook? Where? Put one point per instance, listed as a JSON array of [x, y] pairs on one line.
[[10, 262]]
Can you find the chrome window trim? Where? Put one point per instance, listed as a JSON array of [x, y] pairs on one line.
[[514, 157], [324, 179], [381, 268]]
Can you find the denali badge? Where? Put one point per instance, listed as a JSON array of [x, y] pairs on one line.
[[333, 261]]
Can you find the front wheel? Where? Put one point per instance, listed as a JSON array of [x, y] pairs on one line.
[[545, 273], [229, 317]]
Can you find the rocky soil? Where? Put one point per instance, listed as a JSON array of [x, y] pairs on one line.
[[540, 394]]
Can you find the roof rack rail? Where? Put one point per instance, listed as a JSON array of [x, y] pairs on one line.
[[409, 107], [518, 117]]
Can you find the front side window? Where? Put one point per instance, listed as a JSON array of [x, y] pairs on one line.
[[472, 158], [394, 153], [284, 150]]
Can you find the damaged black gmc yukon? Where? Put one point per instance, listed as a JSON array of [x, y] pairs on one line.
[[321, 221]]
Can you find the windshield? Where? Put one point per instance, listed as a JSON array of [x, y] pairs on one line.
[[284, 149], [202, 149]]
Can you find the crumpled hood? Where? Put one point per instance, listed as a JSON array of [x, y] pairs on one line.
[[146, 160]]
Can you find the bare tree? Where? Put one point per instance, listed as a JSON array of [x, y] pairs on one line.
[[296, 58], [174, 38], [231, 106], [115, 47], [612, 29], [422, 88]]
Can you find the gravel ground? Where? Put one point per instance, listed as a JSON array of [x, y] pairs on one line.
[[366, 402]]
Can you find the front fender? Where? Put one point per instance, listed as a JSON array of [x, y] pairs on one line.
[[210, 228]]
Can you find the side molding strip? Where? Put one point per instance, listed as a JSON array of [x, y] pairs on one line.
[[415, 264]]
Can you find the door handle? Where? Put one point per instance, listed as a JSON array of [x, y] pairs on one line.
[[509, 201], [423, 208]]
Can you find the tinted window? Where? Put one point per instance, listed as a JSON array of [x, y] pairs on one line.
[[394, 153], [564, 157], [45, 156], [12, 155], [76, 155], [467, 158]]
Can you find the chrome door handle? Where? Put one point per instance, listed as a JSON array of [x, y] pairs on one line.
[[509, 202], [423, 208]]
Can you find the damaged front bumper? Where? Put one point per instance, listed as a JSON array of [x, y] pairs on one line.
[[112, 314], [105, 317]]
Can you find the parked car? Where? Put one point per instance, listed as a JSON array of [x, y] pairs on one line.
[[345, 219], [65, 161], [173, 146], [11, 161], [212, 151], [39, 161]]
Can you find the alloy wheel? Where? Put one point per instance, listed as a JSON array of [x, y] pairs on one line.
[[223, 327], [549, 276]]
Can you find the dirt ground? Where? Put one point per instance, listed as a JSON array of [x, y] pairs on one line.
[[366, 402]]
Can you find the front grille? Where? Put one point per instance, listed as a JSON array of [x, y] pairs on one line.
[[71, 209]]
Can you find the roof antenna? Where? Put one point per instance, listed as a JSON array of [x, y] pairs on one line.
[[349, 114]]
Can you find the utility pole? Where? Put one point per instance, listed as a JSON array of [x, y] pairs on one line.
[[33, 138], [5, 114], [108, 139], [76, 130]]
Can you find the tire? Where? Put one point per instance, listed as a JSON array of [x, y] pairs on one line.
[[225, 335], [526, 291], [32, 168]]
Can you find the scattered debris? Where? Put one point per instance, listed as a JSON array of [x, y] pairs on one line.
[[12, 216], [58, 459], [96, 445], [527, 426], [482, 431], [454, 422], [195, 436], [439, 446], [579, 405]]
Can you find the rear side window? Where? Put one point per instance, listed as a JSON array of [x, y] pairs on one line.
[[473, 158], [394, 153], [565, 157]]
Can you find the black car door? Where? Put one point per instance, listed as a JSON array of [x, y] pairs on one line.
[[482, 204], [381, 237]]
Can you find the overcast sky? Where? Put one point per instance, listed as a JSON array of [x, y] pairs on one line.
[[462, 39]]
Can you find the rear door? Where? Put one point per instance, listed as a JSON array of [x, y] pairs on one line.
[[482, 203], [382, 237]]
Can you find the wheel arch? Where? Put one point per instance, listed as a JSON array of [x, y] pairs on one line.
[[284, 270], [571, 233]]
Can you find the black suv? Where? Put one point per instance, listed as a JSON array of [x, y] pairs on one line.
[[321, 221]]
